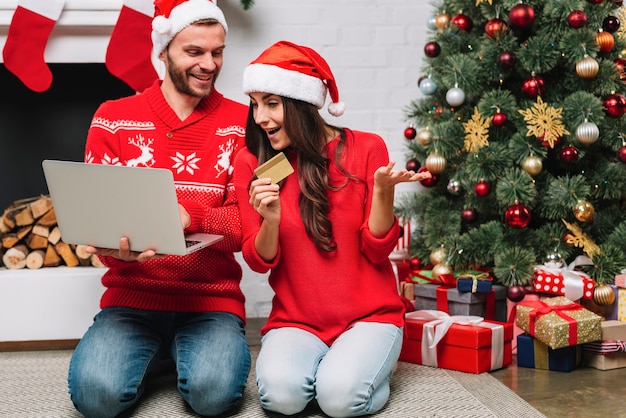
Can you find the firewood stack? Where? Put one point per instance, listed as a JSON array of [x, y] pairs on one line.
[[31, 238]]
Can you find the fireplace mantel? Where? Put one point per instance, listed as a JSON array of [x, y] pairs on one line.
[[81, 34]]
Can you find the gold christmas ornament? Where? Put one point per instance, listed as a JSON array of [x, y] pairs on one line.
[[424, 137], [587, 133], [435, 163], [587, 67], [583, 211], [442, 21], [532, 165], [438, 256], [603, 295], [440, 269]]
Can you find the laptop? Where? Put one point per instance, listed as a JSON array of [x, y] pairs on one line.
[[98, 204]]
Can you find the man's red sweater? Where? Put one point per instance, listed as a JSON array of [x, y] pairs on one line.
[[143, 131]]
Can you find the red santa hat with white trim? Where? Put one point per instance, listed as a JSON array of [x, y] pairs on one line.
[[172, 16], [293, 71]]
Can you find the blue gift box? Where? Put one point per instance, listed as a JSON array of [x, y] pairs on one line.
[[473, 285], [534, 354]]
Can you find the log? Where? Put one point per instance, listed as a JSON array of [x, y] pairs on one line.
[[51, 258], [23, 216], [55, 235], [95, 261], [48, 219], [36, 242], [66, 253], [42, 231], [40, 206], [15, 258], [9, 240], [84, 258], [34, 259]]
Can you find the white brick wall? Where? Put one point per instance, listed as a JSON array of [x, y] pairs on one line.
[[374, 48]]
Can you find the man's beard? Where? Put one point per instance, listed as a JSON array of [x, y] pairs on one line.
[[180, 80]]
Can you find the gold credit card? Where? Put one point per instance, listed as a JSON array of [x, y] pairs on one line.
[[276, 168]]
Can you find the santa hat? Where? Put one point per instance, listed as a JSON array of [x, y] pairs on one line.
[[293, 71], [172, 16]]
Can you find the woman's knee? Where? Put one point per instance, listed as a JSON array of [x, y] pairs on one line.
[[287, 395]]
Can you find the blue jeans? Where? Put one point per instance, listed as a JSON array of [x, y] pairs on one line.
[[350, 378], [108, 368]]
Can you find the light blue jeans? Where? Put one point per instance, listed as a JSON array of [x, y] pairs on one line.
[[108, 368], [350, 378]]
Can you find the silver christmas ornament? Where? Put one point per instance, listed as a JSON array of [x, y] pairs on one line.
[[587, 133], [455, 97], [454, 187], [431, 23]]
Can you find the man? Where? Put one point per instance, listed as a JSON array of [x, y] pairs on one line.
[[189, 308]]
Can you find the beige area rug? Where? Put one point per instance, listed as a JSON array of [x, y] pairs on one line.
[[33, 384]]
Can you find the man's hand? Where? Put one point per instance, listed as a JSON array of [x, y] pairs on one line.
[[124, 253]]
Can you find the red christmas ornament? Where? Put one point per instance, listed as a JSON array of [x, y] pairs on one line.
[[621, 154], [464, 22], [546, 144], [499, 119], [569, 155], [516, 293], [427, 182], [615, 105], [595, 1], [521, 16], [495, 27], [432, 49], [413, 165], [534, 86], [468, 215], [605, 41], [482, 188], [415, 263], [577, 19], [410, 133], [507, 60], [517, 216], [611, 24]]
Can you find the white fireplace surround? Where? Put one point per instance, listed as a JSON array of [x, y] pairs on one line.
[[81, 34]]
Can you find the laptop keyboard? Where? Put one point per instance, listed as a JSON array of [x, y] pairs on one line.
[[191, 242]]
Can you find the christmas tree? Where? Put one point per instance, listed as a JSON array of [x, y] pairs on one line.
[[521, 122]]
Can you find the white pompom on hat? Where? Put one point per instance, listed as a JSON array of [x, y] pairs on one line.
[[293, 71], [172, 16]]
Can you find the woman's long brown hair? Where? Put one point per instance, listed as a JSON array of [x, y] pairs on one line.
[[307, 131]]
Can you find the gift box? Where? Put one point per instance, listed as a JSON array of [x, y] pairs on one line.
[[620, 279], [561, 281], [558, 322], [490, 305], [464, 343], [534, 354], [610, 352], [474, 282]]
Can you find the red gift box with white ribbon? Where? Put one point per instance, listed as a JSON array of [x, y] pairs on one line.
[[465, 343]]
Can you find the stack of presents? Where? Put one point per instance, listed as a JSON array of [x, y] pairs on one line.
[[463, 321]]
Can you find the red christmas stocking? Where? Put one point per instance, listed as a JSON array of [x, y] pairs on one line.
[[128, 52], [23, 51]]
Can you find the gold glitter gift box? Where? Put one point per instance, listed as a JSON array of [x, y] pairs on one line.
[[558, 322]]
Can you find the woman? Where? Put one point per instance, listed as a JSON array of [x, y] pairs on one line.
[[325, 232]]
